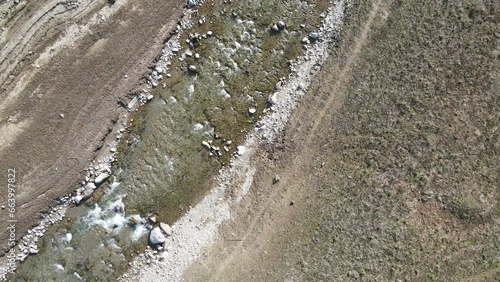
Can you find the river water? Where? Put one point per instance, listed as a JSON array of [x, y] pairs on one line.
[[179, 141]]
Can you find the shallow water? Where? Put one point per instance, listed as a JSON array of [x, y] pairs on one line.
[[165, 168], [91, 245]]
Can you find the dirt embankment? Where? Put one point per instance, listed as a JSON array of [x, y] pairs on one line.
[[389, 166], [64, 70]]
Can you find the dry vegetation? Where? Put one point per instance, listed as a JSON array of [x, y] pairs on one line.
[[410, 186]]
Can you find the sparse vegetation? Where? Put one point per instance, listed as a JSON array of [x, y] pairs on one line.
[[413, 152]]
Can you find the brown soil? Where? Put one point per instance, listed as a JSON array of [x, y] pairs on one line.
[[105, 60], [389, 166]]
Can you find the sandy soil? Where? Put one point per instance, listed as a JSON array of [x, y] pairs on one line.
[[81, 63]]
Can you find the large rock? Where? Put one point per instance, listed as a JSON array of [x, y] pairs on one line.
[[281, 24], [191, 3], [156, 236], [77, 199], [89, 188], [99, 179], [278, 85], [313, 36], [241, 150], [77, 276], [152, 218], [273, 99], [58, 268], [166, 229], [198, 126], [205, 144]]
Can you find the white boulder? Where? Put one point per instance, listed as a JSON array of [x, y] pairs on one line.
[[100, 178], [156, 236]]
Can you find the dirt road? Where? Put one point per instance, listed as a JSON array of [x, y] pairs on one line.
[[64, 70]]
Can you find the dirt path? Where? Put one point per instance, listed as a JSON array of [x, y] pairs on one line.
[[270, 210], [77, 62]]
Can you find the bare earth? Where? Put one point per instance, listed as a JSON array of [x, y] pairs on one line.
[[78, 62]]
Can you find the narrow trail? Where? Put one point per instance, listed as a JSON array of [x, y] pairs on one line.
[[303, 159]]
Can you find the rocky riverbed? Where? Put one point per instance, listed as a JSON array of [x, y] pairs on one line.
[[198, 228]]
